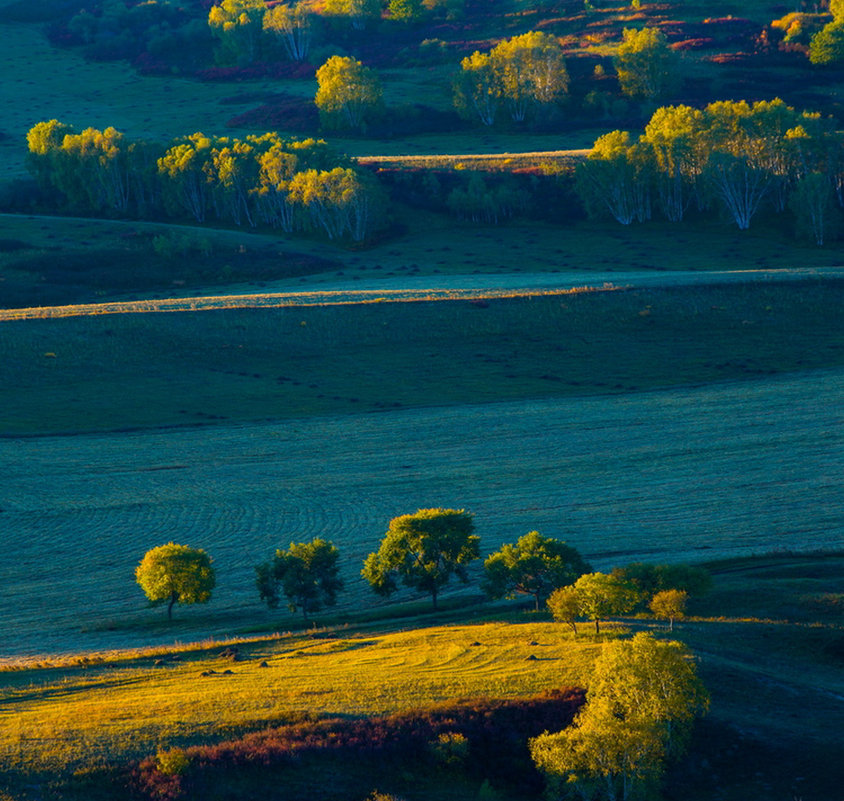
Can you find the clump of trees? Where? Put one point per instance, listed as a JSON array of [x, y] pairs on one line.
[[643, 696], [646, 65], [524, 74], [176, 574], [289, 184], [732, 153]]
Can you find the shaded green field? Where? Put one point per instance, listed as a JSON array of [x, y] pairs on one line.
[[129, 371]]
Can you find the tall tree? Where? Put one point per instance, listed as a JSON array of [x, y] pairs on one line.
[[292, 23], [477, 87], [185, 166], [347, 92], [646, 65], [673, 134], [423, 550], [307, 573], [176, 573], [535, 565]]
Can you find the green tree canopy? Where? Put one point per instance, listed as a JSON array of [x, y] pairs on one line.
[[646, 65], [642, 698], [307, 573], [347, 92], [535, 565], [601, 596], [424, 550], [176, 573], [827, 45]]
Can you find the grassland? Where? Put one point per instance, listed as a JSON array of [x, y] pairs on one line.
[[776, 684]]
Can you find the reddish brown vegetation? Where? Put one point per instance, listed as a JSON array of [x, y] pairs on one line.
[[283, 112], [497, 732]]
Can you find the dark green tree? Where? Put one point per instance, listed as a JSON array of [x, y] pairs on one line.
[[535, 565], [423, 550], [307, 573], [176, 573]]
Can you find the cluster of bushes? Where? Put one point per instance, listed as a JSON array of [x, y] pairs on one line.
[[290, 185], [735, 154], [486, 739]]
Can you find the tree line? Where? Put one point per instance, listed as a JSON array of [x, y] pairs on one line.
[[734, 154], [288, 184], [424, 551]]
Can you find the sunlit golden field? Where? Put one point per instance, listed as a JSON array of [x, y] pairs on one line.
[[124, 707]]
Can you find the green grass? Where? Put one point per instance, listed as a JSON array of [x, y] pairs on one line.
[[70, 375]]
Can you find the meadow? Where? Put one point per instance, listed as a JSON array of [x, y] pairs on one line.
[[654, 392]]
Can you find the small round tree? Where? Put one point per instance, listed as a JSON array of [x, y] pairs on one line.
[[669, 605], [347, 92], [176, 573]]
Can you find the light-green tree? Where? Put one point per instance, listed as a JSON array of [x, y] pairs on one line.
[[307, 573], [601, 596], [176, 574], [237, 25], [423, 550], [643, 697], [359, 12], [535, 565], [185, 165], [673, 136], [646, 65], [827, 45], [564, 606], [348, 93]]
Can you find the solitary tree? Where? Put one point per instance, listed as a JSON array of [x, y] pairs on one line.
[[424, 550], [535, 565], [176, 573], [307, 573], [647, 67], [347, 91], [600, 596], [669, 605]]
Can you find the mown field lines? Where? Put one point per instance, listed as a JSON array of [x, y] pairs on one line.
[[681, 474]]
